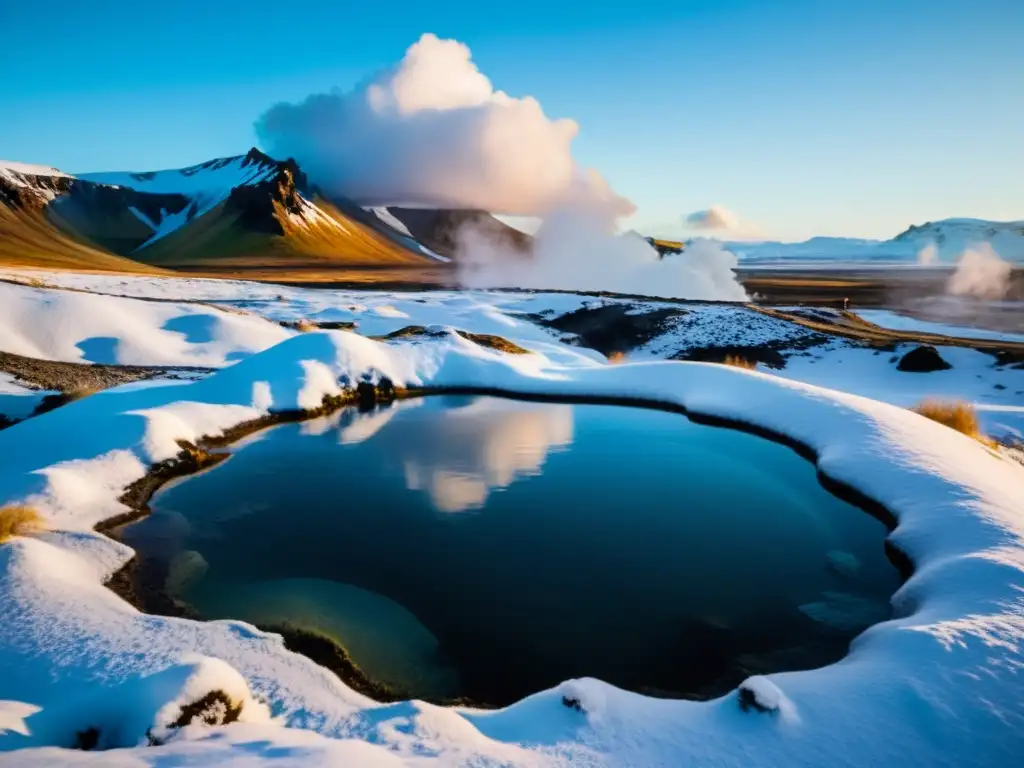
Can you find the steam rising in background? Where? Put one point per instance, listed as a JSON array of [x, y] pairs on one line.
[[432, 131], [980, 274], [578, 250], [928, 256]]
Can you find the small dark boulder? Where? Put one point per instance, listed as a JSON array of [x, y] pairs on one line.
[[923, 359], [88, 739]]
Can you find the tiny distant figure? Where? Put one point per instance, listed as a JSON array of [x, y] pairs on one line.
[[846, 304]]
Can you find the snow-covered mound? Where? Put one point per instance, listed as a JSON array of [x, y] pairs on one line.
[[939, 684], [72, 326]]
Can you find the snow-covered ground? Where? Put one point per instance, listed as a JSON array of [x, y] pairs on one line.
[[937, 685], [73, 326]]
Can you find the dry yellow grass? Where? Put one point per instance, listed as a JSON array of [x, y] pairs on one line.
[[739, 362], [617, 357], [306, 326], [27, 239], [955, 414], [18, 520]]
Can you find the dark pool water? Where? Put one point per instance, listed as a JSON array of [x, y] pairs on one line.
[[489, 548]]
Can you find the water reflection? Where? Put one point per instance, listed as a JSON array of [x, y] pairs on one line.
[[482, 444]]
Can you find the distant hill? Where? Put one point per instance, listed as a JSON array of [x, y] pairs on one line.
[[949, 237], [952, 236], [41, 222]]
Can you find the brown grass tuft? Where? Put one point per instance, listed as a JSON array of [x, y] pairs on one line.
[[617, 357], [955, 414], [739, 362], [306, 326], [18, 520]]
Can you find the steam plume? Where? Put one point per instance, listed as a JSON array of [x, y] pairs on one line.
[[577, 250], [433, 131], [980, 274]]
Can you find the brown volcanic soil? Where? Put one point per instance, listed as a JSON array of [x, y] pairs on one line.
[[72, 377]]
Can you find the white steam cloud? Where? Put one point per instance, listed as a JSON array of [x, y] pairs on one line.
[[433, 131], [928, 256], [717, 217], [577, 250], [980, 274]]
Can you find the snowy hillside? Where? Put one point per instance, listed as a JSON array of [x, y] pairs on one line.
[[207, 183], [952, 236], [949, 238]]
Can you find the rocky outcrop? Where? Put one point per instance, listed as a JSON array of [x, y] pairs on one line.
[[922, 359]]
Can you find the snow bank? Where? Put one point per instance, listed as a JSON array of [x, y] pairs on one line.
[[72, 326], [147, 709], [939, 684]]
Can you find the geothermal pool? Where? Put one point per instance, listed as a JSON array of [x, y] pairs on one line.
[[485, 549]]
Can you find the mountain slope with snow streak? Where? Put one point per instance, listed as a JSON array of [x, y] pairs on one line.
[[206, 184]]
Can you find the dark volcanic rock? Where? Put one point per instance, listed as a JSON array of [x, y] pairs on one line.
[[923, 359], [613, 328]]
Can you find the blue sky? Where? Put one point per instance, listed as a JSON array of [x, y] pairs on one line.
[[804, 117]]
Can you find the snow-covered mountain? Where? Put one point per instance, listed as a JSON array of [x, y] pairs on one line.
[[244, 211], [944, 240], [952, 236]]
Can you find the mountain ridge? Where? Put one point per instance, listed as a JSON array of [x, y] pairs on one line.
[[241, 211]]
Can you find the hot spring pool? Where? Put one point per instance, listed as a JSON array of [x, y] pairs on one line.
[[486, 548]]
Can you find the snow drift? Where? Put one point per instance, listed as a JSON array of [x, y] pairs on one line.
[[73, 326]]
